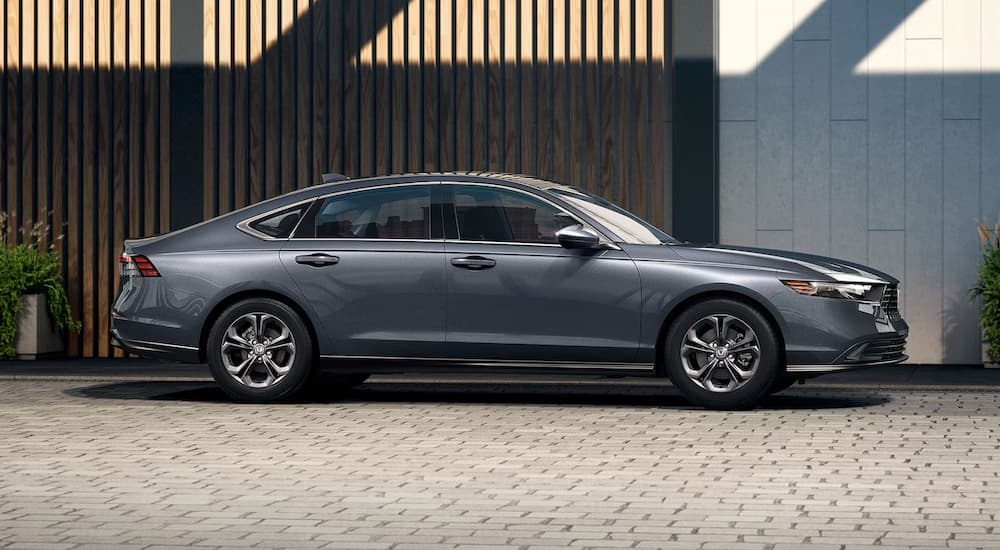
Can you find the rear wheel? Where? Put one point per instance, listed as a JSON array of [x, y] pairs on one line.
[[722, 354], [260, 350]]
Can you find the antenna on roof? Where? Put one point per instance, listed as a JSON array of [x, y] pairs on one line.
[[331, 177]]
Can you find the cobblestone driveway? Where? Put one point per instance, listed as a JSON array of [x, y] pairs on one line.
[[581, 465]]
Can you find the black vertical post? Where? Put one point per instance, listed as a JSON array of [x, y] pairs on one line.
[[187, 111], [695, 117]]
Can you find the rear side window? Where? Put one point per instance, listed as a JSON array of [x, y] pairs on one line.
[[492, 214], [279, 225], [388, 213]]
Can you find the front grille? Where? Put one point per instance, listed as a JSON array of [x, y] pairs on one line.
[[888, 349], [890, 302]]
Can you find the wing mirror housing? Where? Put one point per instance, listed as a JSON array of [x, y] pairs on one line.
[[578, 236]]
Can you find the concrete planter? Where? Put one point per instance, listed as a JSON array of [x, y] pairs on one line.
[[36, 334], [987, 362]]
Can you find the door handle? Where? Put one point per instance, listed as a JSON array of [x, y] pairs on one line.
[[473, 262], [317, 260]]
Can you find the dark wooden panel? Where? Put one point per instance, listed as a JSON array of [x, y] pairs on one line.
[[572, 90]]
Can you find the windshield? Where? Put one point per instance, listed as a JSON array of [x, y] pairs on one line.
[[631, 228]]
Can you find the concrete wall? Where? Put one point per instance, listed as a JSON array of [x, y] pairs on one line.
[[869, 131]]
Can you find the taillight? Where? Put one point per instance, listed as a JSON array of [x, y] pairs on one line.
[[131, 265]]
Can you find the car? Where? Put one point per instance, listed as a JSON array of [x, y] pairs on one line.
[[489, 272]]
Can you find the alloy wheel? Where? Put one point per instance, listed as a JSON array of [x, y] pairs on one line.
[[258, 349], [720, 353]]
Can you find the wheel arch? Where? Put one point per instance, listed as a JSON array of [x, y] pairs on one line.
[[684, 303], [242, 295]]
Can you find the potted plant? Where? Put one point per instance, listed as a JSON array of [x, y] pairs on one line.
[[988, 288], [33, 302]]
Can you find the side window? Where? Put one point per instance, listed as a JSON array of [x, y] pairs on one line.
[[279, 225], [492, 214], [389, 213]]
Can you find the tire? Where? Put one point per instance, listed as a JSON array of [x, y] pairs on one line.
[[704, 369], [274, 367]]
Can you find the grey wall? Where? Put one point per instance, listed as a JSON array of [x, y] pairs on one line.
[[869, 131]]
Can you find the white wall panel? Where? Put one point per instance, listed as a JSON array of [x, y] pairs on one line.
[[737, 61], [811, 146], [923, 194], [848, 45], [775, 85], [960, 331], [961, 61], [886, 64], [849, 190], [737, 183]]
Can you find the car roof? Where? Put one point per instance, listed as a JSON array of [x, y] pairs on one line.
[[333, 180]]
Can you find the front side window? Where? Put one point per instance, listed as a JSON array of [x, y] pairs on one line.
[[493, 214], [631, 228], [387, 213]]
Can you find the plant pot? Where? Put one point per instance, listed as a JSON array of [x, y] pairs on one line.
[[987, 361], [36, 334]]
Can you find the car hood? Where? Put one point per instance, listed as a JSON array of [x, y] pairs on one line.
[[786, 263]]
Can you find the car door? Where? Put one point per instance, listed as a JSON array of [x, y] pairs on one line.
[[515, 294], [371, 264]]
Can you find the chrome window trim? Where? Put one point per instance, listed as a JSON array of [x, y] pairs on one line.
[[244, 225]]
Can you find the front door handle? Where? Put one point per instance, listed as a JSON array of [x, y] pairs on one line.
[[473, 262], [317, 260]]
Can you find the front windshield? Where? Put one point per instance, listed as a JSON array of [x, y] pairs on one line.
[[631, 228]]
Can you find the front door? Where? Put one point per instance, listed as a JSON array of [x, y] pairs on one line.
[[515, 294], [367, 263]]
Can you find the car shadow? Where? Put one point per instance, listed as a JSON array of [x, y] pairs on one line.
[[491, 393]]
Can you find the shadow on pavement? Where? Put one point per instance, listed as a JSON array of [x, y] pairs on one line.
[[482, 393]]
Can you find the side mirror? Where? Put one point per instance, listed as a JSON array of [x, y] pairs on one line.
[[578, 236]]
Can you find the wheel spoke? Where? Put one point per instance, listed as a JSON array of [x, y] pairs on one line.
[[693, 342], [239, 370]]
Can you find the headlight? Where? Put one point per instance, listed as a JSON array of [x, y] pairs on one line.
[[847, 291]]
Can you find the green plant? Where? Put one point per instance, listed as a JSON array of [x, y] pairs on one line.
[[29, 267], [988, 285]]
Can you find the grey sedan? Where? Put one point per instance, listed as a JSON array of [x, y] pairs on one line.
[[490, 272]]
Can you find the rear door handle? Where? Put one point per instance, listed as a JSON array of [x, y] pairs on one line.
[[473, 262], [317, 260]]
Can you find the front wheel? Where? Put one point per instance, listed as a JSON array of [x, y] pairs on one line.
[[260, 350], [722, 354]]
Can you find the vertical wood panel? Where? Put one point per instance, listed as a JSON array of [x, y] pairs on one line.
[[571, 90]]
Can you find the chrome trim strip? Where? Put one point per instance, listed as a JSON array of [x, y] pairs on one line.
[[499, 362], [143, 343], [793, 369]]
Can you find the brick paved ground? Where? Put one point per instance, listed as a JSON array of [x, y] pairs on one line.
[[556, 465]]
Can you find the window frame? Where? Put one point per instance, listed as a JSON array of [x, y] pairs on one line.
[[317, 203], [448, 189]]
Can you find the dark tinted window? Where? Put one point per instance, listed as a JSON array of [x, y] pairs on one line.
[[388, 213], [279, 225], [493, 214]]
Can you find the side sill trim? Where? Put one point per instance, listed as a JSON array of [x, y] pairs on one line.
[[496, 362], [804, 369]]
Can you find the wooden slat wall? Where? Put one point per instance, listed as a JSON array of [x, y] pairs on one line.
[[571, 90], [85, 132]]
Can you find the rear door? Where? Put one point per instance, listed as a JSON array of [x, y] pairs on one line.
[[371, 264]]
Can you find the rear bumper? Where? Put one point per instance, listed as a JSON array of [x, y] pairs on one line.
[[156, 350]]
